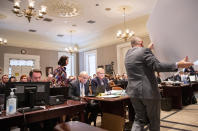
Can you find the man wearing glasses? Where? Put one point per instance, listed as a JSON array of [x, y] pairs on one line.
[[99, 82]]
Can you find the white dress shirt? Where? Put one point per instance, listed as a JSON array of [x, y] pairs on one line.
[[82, 90]]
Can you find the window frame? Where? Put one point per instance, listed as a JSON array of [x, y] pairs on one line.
[[86, 64]]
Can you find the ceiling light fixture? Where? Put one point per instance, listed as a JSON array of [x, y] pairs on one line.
[[3, 41], [127, 34], [72, 48], [29, 12]]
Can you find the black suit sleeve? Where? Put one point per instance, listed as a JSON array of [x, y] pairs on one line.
[[93, 86]]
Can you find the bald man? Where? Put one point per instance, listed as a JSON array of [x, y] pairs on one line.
[[80, 87], [142, 86]]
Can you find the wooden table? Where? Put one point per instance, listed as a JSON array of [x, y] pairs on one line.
[[195, 86], [179, 94], [76, 126], [115, 108], [21, 120]]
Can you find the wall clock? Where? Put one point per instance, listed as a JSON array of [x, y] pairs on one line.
[[23, 51]]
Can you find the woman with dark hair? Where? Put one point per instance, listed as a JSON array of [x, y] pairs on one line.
[[60, 73]]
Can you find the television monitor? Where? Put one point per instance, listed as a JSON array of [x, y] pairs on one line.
[[59, 91], [30, 94]]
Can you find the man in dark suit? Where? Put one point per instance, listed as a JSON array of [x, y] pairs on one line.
[[190, 70], [142, 87], [99, 81], [80, 88]]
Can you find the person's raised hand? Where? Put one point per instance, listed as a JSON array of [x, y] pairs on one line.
[[151, 46], [184, 63]]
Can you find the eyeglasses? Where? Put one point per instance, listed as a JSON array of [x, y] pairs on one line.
[[85, 78]]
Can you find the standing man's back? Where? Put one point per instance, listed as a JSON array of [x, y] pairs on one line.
[[141, 65]]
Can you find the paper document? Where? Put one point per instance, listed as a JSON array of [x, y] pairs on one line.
[[196, 62]]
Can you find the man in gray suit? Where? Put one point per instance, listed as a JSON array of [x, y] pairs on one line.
[[142, 86]]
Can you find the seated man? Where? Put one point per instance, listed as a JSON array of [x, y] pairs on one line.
[[190, 70], [48, 125], [80, 88], [4, 80], [99, 81], [124, 81], [117, 80]]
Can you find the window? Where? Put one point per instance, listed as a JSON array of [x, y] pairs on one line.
[[17, 64], [71, 65], [90, 62], [18, 67]]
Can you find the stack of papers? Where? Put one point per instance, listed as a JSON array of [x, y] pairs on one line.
[[109, 96]]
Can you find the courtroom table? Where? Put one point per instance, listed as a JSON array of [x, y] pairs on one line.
[[116, 109], [195, 86], [180, 95], [76, 126], [22, 120]]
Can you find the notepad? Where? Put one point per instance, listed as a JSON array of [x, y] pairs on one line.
[[192, 78]]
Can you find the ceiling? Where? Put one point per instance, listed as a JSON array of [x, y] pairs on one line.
[[87, 36]]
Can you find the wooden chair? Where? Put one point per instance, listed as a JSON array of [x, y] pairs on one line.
[[117, 88], [90, 90]]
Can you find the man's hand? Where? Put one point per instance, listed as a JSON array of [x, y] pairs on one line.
[[151, 46], [184, 63]]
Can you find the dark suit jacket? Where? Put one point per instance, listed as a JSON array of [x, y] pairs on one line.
[[96, 82], [2, 85], [177, 78], [74, 89], [140, 65], [190, 69]]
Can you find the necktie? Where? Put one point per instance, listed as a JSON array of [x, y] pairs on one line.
[[82, 90]]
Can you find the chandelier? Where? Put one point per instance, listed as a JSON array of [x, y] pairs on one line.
[[72, 48], [29, 12], [127, 34], [3, 41]]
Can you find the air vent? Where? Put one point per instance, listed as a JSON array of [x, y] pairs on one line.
[[74, 25], [47, 19], [11, 1], [31, 30], [107, 9], [91, 21], [60, 35]]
